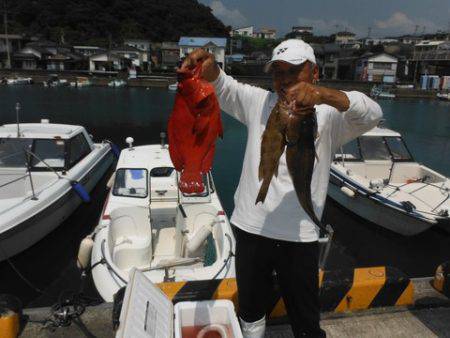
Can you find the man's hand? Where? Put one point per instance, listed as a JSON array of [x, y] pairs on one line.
[[210, 71], [306, 95]]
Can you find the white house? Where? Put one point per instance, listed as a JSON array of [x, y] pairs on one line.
[[378, 41], [377, 68], [88, 50], [266, 33], [243, 31], [215, 46], [144, 45], [344, 38], [107, 62]]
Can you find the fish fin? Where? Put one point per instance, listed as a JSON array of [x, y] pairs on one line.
[[283, 146], [262, 193], [275, 172], [208, 159], [200, 124]]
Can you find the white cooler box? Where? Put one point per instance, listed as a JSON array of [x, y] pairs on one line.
[[148, 313]]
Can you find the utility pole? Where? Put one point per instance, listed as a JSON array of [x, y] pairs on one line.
[[5, 23], [448, 30]]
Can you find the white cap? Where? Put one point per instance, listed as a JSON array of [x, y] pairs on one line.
[[294, 51]]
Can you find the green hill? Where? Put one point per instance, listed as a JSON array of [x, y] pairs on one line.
[[105, 21]]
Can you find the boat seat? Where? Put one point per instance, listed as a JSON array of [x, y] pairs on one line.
[[198, 216], [130, 237]]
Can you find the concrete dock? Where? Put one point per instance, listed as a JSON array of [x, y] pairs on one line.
[[428, 317]]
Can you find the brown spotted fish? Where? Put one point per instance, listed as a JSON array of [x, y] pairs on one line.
[[272, 147], [295, 132]]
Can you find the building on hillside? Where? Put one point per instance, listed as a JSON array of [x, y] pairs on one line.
[[410, 39], [10, 44], [214, 46], [431, 57], [431, 50], [327, 55], [48, 56], [378, 41], [108, 62], [302, 29], [301, 32], [243, 31], [30, 57], [144, 45], [139, 59], [88, 50], [344, 38], [170, 55], [266, 33], [377, 68]]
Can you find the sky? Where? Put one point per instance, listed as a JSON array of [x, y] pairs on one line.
[[385, 17]]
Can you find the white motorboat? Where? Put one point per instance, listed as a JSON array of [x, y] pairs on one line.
[[55, 81], [148, 224], [117, 83], [376, 177], [443, 96], [19, 81], [80, 81], [45, 171], [381, 92], [173, 86]]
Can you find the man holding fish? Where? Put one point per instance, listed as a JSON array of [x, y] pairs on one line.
[[293, 134]]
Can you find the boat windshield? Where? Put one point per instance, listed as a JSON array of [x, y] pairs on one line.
[[374, 148], [398, 149], [349, 152], [384, 148], [131, 183], [12, 154], [48, 153]]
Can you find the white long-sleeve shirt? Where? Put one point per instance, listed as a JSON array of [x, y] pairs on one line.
[[281, 216]]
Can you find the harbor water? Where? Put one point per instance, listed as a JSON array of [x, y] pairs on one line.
[[114, 114]]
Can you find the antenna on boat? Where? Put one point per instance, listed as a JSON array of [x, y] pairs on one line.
[[17, 118], [163, 137]]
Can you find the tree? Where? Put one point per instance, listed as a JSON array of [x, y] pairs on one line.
[[94, 20]]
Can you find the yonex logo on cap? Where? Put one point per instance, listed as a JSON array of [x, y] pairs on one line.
[[281, 50]]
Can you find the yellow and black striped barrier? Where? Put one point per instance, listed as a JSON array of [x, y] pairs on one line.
[[441, 281], [340, 290]]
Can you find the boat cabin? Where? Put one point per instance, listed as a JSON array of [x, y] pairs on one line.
[[42, 145], [381, 156], [38, 148]]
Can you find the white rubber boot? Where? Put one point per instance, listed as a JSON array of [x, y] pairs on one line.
[[254, 329]]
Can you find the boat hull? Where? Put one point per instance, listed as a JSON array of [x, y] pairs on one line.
[[376, 212], [24, 235]]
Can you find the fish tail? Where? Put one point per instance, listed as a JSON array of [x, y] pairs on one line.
[[262, 192]]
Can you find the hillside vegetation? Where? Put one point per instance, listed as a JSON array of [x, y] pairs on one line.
[[111, 21]]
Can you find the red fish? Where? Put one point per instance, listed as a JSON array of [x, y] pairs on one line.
[[194, 126]]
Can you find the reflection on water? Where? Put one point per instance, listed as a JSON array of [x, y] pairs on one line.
[[117, 113]]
